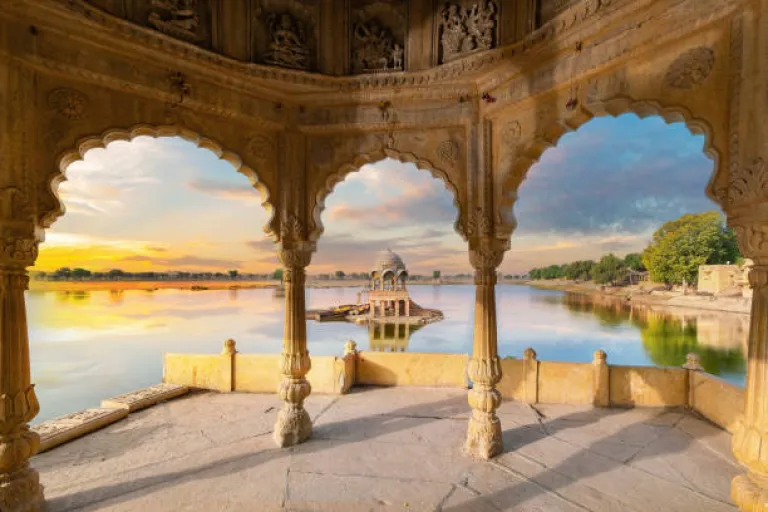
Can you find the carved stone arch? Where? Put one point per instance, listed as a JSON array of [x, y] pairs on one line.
[[321, 192], [52, 207], [552, 127]]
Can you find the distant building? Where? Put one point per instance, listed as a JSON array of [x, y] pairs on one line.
[[388, 295], [716, 279]]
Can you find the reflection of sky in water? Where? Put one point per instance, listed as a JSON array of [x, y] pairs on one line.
[[86, 347]]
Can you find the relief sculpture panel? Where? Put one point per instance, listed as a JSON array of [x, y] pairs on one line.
[[466, 28], [378, 35], [286, 34], [187, 20]]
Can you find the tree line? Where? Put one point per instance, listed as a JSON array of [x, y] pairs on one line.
[[83, 274], [674, 255]]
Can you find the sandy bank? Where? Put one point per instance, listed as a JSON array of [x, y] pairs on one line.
[[643, 295]]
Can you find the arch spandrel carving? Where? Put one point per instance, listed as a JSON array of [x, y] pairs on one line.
[[78, 118], [441, 152], [688, 82]]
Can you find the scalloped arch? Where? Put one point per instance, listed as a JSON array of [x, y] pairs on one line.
[[371, 157], [83, 145], [531, 153]]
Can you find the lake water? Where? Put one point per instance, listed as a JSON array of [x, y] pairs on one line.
[[87, 346]]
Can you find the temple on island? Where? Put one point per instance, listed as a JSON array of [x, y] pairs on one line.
[[388, 295]]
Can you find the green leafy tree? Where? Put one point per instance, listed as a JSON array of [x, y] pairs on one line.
[[340, 274], [233, 274], [679, 247], [435, 274], [609, 269], [277, 275], [634, 261]]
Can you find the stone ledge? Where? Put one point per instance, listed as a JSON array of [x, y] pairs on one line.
[[146, 397], [66, 428]]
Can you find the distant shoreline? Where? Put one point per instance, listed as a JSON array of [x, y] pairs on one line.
[[643, 295], [202, 285]]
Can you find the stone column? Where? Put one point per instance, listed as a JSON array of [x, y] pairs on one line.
[[484, 431], [293, 424], [20, 488]]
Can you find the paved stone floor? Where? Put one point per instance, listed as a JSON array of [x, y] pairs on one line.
[[391, 449]]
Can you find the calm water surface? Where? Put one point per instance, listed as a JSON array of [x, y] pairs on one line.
[[87, 346]]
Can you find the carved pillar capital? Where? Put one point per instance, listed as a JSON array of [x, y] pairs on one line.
[[487, 253], [752, 236], [296, 254]]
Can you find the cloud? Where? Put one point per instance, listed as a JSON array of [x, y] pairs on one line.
[[220, 190], [622, 175], [184, 262]]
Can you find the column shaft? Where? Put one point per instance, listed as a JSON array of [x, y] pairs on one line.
[[484, 430], [20, 489], [293, 424], [750, 441]]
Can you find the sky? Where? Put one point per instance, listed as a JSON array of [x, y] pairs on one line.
[[164, 204]]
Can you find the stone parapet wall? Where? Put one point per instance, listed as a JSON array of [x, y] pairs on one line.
[[254, 373], [527, 380]]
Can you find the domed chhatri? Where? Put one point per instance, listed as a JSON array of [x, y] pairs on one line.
[[388, 260], [389, 272]]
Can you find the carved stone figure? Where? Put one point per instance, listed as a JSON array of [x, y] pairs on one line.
[[691, 68], [288, 42], [374, 48], [177, 18], [464, 31]]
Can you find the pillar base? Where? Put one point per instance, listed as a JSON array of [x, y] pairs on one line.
[[483, 436], [21, 491], [293, 426], [748, 494]]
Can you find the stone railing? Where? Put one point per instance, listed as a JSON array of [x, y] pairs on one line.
[[527, 380], [256, 373]]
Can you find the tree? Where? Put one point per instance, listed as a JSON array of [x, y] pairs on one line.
[[634, 261], [277, 275], [80, 273], [435, 274], [608, 270], [340, 274], [680, 246], [233, 274]]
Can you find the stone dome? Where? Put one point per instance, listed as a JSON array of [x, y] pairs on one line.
[[388, 260]]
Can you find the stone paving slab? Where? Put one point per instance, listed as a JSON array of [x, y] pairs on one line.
[[390, 449], [137, 400]]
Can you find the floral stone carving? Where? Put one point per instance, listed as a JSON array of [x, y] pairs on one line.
[[177, 18], [448, 151], [691, 68], [288, 46], [467, 30], [374, 48], [68, 103]]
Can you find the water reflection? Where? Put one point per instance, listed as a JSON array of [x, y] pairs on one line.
[[387, 337], [668, 334], [90, 345]]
